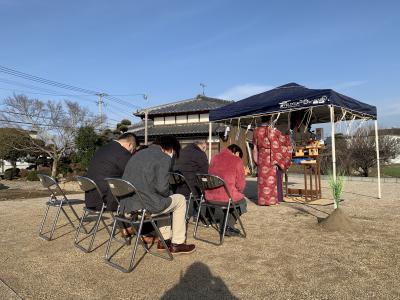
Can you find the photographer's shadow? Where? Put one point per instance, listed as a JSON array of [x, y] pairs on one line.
[[199, 283]]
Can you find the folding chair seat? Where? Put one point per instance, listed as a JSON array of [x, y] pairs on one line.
[[58, 200], [120, 189], [87, 185], [209, 182]]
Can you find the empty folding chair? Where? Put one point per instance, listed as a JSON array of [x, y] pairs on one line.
[[209, 182], [58, 200], [121, 188], [87, 185]]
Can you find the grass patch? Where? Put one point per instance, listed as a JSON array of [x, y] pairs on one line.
[[391, 171]]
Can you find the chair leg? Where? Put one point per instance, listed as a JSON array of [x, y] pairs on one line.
[[92, 232], [76, 242], [158, 233], [69, 219], [106, 225], [53, 227], [107, 258], [222, 234], [240, 221], [43, 221], [187, 208], [96, 228], [74, 211], [138, 237], [197, 222]]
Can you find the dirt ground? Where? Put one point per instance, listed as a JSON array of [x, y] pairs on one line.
[[22, 189], [286, 255]]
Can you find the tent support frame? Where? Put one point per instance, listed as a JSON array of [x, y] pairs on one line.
[[378, 165], [209, 140], [332, 114]]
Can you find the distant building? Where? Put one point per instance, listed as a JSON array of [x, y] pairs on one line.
[[187, 120]]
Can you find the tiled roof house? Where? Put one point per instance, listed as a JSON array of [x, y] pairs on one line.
[[186, 119]]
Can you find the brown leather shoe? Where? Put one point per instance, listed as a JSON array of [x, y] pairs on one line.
[[149, 239], [128, 232], [182, 248], [161, 247]]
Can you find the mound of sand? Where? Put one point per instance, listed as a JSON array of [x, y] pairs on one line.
[[337, 221]]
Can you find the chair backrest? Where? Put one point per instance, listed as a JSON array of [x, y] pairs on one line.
[[86, 184], [177, 179], [51, 184], [210, 182], [121, 188]]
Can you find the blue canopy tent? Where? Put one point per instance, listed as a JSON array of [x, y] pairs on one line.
[[281, 101]]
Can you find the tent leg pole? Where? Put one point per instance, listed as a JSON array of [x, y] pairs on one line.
[[332, 113], [377, 159], [209, 140]]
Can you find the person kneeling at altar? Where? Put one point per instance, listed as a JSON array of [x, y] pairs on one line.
[[228, 165]]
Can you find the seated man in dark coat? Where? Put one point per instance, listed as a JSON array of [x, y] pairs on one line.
[[192, 160], [109, 161], [148, 171]]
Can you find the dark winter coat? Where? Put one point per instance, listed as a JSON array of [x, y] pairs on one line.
[[108, 161], [148, 171], [192, 160]]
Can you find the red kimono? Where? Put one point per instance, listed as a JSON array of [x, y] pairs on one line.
[[272, 149]]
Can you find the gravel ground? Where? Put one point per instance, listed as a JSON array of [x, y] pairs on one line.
[[286, 255]]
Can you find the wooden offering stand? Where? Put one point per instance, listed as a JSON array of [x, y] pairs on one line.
[[312, 172]]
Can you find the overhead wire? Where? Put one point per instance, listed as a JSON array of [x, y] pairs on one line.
[[42, 80]]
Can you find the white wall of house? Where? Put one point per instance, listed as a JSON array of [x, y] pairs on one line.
[[181, 119], [204, 118], [159, 121], [169, 120], [193, 118]]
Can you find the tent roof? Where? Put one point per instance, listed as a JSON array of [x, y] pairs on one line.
[[290, 97]]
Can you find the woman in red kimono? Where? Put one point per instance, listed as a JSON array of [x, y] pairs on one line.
[[272, 153]]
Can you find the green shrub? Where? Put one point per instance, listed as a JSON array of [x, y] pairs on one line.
[[10, 174], [32, 176]]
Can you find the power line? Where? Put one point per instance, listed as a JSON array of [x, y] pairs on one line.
[[41, 80], [34, 124], [109, 105], [22, 114], [48, 92]]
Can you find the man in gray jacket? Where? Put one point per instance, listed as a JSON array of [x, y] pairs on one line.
[[148, 171]]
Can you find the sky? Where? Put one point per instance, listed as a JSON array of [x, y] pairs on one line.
[[165, 49]]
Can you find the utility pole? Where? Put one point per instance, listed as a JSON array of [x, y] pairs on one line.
[[100, 103], [146, 119], [203, 86]]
